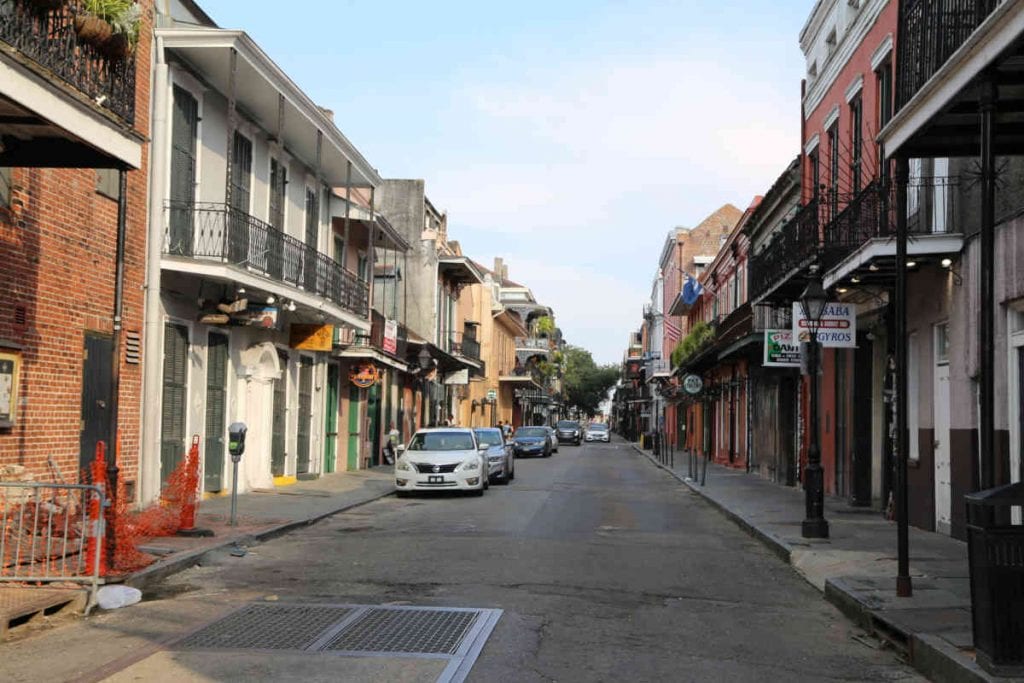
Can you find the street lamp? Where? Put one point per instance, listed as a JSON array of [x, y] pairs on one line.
[[425, 361], [813, 301]]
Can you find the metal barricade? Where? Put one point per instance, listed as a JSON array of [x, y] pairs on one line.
[[52, 533]]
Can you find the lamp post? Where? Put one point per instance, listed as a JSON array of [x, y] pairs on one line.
[[813, 301], [425, 361]]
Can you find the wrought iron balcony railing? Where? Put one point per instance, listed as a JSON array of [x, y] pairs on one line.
[[794, 243], [459, 344], [768, 317], [48, 40], [930, 31], [211, 231], [376, 338]]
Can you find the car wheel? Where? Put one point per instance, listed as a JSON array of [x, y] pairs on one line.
[[511, 469]]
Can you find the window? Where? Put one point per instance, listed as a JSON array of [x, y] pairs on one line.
[[361, 266], [278, 181], [5, 186], [856, 141], [815, 170], [915, 171], [108, 182], [942, 343], [339, 249], [312, 218], [883, 78], [833, 169]]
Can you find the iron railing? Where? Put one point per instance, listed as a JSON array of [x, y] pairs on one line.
[[49, 41], [930, 32], [222, 233], [376, 338], [459, 344], [52, 533], [768, 317], [794, 243], [533, 344]]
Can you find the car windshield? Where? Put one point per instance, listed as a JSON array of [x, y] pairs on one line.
[[598, 428], [488, 437], [442, 441], [566, 424], [532, 431]]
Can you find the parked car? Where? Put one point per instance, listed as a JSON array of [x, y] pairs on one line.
[[553, 435], [531, 441], [598, 432], [500, 459], [569, 431], [441, 458]]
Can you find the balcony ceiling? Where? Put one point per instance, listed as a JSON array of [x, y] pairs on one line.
[[942, 119], [459, 269], [259, 83]]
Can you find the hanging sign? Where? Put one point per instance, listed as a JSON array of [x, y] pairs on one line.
[[364, 375], [837, 328], [457, 377], [257, 316], [780, 351], [311, 337], [693, 384], [492, 395], [390, 344]]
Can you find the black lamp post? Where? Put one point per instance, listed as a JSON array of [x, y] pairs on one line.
[[425, 361], [813, 301]]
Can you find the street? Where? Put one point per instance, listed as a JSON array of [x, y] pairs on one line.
[[605, 567]]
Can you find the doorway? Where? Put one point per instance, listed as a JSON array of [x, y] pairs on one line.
[[331, 419], [216, 405], [940, 407], [302, 440], [279, 419], [354, 408], [97, 393]]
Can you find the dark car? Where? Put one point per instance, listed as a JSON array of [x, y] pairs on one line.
[[529, 441], [569, 431]]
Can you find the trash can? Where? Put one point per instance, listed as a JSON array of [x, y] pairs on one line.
[[995, 555]]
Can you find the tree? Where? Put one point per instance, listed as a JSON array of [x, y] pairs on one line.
[[586, 384]]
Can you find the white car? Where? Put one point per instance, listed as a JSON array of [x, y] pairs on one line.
[[442, 458], [500, 459], [598, 432]]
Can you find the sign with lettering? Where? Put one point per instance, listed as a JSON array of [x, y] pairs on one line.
[[390, 344], [837, 328], [311, 337], [780, 351], [692, 384], [364, 375]]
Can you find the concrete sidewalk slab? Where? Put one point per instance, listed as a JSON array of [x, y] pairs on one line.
[[262, 515], [856, 567]]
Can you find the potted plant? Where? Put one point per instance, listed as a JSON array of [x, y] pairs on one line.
[[92, 22], [124, 32]]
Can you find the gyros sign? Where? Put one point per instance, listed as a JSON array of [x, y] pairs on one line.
[[837, 328]]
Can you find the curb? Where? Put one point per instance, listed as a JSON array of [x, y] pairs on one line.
[[160, 570]]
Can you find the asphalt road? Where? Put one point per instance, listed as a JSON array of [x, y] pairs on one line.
[[606, 569]]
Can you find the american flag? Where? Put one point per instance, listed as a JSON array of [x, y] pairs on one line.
[[672, 331]]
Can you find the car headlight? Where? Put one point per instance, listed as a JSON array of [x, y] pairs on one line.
[[403, 465], [471, 465]]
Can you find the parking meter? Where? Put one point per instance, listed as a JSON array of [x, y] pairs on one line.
[[236, 446], [236, 440]]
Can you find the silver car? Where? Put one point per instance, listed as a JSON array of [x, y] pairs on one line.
[[500, 459], [554, 439]]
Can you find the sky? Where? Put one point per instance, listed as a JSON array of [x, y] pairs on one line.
[[567, 137]]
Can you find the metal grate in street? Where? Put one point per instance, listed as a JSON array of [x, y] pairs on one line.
[[267, 627], [424, 631]]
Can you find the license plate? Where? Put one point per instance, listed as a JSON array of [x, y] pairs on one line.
[[435, 479]]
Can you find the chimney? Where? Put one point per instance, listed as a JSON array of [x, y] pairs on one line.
[[329, 113], [499, 268], [504, 272]]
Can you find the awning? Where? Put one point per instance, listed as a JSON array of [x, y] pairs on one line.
[[459, 269]]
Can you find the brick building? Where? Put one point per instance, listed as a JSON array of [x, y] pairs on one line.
[[72, 201]]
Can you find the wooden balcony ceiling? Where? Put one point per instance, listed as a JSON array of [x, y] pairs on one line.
[[29, 140], [955, 131]]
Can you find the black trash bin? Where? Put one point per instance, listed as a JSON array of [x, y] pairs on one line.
[[995, 553]]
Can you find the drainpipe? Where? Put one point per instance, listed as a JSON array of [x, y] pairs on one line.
[[115, 363], [149, 467]]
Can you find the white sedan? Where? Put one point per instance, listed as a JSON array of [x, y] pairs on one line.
[[442, 458], [598, 432]]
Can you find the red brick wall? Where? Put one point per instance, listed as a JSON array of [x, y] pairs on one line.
[[57, 244]]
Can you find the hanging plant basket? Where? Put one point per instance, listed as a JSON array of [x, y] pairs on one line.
[[92, 30]]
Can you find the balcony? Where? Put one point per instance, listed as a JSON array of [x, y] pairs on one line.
[[790, 249], [930, 32], [460, 344], [218, 233], [376, 337], [49, 42]]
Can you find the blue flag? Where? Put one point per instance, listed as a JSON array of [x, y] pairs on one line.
[[691, 291]]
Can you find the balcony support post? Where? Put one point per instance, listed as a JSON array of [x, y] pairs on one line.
[[986, 347], [230, 153], [371, 257], [904, 586]]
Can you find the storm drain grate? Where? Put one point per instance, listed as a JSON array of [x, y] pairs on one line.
[[267, 627], [425, 631]]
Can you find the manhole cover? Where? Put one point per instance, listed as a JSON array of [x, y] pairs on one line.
[[427, 631], [267, 627]]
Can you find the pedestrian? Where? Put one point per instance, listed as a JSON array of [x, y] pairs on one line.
[[391, 445]]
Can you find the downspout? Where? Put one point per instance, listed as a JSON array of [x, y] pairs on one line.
[[113, 439], [149, 467]]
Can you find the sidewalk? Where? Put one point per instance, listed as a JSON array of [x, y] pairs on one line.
[[856, 567], [262, 514]]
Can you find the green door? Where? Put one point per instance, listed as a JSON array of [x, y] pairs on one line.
[[216, 404], [172, 422], [331, 421], [354, 394], [305, 416], [373, 409]]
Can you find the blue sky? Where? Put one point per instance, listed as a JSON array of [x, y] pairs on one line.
[[567, 137]]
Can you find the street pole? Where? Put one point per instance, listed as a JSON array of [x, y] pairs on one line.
[[904, 586], [814, 524]]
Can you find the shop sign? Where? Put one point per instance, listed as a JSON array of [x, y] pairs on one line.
[[390, 344], [457, 377], [257, 316], [693, 384], [311, 337], [364, 375], [780, 351], [837, 328]]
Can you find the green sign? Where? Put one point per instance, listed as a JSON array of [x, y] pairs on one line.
[[780, 351], [492, 394]]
